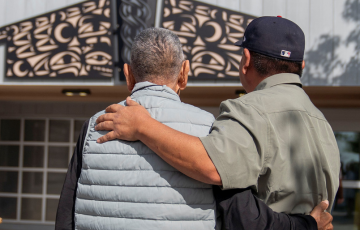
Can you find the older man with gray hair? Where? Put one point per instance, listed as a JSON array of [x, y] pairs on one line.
[[125, 185]]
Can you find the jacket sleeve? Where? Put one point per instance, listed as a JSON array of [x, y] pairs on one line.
[[240, 209], [65, 212]]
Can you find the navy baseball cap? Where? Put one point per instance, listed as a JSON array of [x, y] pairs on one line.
[[275, 37]]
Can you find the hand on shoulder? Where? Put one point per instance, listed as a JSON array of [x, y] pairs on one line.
[[123, 122]]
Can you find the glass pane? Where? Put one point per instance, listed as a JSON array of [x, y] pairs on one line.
[[32, 182], [58, 157], [30, 209], [8, 181], [51, 208], [349, 143], [9, 155], [59, 131], [34, 130], [10, 130], [77, 128], [8, 207], [346, 212], [33, 156], [55, 182]]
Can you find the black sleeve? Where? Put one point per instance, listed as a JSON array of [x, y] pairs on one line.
[[66, 207], [240, 209]]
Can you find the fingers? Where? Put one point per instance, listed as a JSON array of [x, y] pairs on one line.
[[108, 137], [330, 227], [113, 108], [105, 117], [105, 125], [131, 102], [326, 217], [325, 221], [323, 218]]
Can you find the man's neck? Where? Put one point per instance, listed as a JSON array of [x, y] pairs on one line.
[[171, 85]]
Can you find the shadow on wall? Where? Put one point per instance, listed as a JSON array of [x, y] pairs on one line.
[[324, 64]]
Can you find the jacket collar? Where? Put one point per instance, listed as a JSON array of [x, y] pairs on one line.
[[278, 79], [150, 89]]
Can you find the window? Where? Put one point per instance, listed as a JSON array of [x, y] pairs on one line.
[[34, 156], [346, 209]]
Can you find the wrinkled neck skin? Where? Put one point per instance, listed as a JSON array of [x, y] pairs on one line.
[[177, 84], [174, 86]]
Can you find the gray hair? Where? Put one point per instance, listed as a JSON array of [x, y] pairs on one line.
[[156, 55]]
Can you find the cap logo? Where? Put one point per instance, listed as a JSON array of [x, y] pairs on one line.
[[285, 53], [244, 38]]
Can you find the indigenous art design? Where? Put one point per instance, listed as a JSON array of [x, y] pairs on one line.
[[133, 17], [71, 43], [208, 34]]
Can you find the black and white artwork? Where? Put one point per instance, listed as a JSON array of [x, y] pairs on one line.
[[133, 17], [208, 34], [71, 43]]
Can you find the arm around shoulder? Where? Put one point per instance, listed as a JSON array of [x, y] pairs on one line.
[[184, 152]]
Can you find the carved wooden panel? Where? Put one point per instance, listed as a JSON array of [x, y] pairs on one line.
[[71, 43], [133, 16], [207, 33]]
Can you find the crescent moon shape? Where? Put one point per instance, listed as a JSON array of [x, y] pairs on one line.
[[63, 15], [15, 28], [57, 33], [217, 34], [17, 70]]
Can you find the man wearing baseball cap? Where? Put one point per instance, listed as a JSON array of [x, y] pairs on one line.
[[273, 140]]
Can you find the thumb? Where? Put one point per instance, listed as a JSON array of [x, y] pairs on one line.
[[320, 208], [324, 204], [130, 102]]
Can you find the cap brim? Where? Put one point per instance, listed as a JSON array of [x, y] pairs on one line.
[[238, 43]]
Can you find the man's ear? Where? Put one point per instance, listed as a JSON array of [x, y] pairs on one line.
[[130, 80], [246, 61], [184, 74], [303, 65]]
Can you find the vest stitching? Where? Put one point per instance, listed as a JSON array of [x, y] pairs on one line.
[[125, 154], [137, 147], [118, 201], [140, 218], [141, 186], [129, 170]]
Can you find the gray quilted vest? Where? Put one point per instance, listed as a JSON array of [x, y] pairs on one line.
[[125, 185]]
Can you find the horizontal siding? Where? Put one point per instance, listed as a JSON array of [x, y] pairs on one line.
[[16, 10], [274, 8], [229, 4]]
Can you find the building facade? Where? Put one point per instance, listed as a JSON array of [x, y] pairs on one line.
[[61, 61]]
